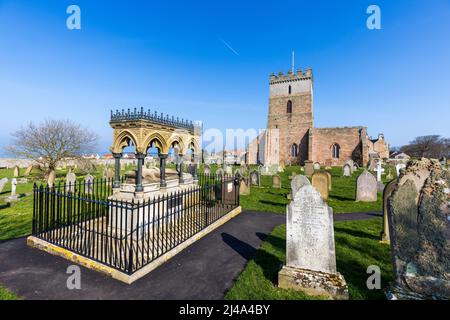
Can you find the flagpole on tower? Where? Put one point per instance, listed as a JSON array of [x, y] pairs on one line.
[[293, 61]]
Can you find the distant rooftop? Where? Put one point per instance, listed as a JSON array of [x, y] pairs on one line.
[[140, 114]]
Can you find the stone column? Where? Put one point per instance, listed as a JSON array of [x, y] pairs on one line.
[[140, 160], [162, 169], [117, 157], [180, 168]]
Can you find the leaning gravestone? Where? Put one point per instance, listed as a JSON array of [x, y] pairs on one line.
[[366, 187], [28, 171], [244, 188], [3, 182], [71, 179], [419, 226], [89, 184], [255, 178], [309, 168], [346, 170], [310, 249], [276, 182], [16, 172], [386, 194], [320, 183]]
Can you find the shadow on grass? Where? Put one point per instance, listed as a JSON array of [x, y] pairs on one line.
[[273, 203], [269, 264], [356, 233], [342, 198]]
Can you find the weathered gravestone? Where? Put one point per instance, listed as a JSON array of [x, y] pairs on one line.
[[71, 179], [297, 182], [316, 166], [255, 178], [28, 170], [310, 249], [346, 170], [276, 182], [51, 178], [386, 194], [89, 184], [16, 172], [320, 183], [419, 226], [228, 170], [207, 170], [366, 187], [244, 188], [3, 182], [309, 168], [13, 197], [351, 163], [329, 180], [219, 173]]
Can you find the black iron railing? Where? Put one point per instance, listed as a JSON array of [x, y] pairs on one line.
[[128, 235], [140, 114]]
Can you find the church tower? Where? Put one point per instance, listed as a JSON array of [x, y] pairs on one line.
[[291, 112]]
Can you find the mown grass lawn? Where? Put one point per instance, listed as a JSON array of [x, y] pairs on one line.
[[341, 198], [357, 247]]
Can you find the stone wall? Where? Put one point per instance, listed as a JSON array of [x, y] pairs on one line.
[[348, 139]]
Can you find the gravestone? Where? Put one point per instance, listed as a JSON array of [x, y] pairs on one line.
[[386, 194], [320, 183], [366, 187], [380, 186], [310, 249], [28, 170], [237, 174], [373, 164], [71, 179], [351, 163], [3, 182], [228, 170], [244, 188], [419, 229], [276, 182], [297, 182], [316, 166], [293, 174], [329, 180], [51, 179], [309, 168], [89, 184], [207, 170], [355, 167], [219, 173], [16, 172], [398, 167], [346, 170], [255, 178]]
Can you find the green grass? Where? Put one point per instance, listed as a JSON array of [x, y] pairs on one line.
[[6, 295], [341, 198], [357, 247]]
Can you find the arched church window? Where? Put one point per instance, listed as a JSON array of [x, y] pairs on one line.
[[335, 149], [294, 150], [289, 106]]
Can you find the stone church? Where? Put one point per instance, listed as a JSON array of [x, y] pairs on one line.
[[291, 137]]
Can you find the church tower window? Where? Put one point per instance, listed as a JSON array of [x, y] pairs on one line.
[[289, 106], [335, 149], [294, 150]]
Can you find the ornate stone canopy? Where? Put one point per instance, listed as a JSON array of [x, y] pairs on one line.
[[144, 130]]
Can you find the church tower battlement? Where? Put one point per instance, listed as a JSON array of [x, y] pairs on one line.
[[291, 112]]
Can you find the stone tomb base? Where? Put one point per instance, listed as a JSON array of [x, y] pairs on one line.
[[313, 283]]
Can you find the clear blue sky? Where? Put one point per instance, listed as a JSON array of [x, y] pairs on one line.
[[174, 58]]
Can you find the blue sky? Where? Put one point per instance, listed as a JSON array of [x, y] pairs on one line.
[[174, 58]]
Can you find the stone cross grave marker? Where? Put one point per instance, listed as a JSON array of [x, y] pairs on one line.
[[379, 170], [320, 183], [276, 182], [310, 248], [366, 187]]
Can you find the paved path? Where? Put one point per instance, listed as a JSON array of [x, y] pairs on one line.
[[205, 270]]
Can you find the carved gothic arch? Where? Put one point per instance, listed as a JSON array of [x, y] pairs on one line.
[[123, 140]]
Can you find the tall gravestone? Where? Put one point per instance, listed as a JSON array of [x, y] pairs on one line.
[[16, 172], [71, 180], [309, 168], [310, 249], [320, 183], [419, 226], [89, 184], [329, 180], [366, 187], [297, 182], [386, 194], [51, 178]]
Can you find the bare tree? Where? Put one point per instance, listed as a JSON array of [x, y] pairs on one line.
[[432, 146], [52, 141]]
